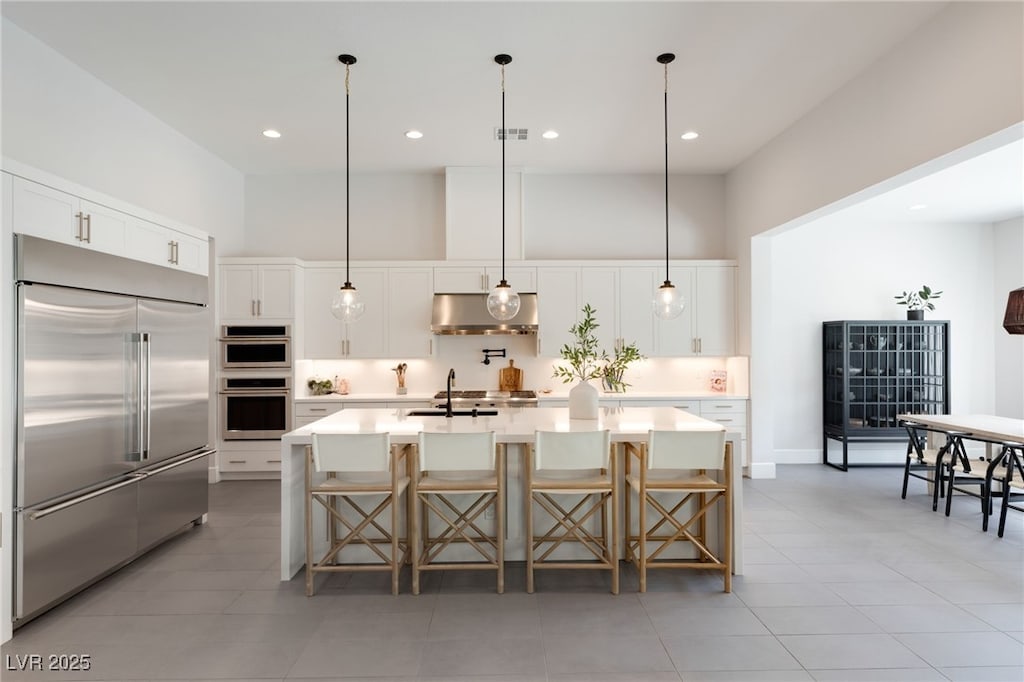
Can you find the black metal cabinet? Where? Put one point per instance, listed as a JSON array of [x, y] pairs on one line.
[[873, 371]]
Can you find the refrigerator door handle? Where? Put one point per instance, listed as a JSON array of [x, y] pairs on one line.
[[139, 417], [180, 462], [147, 396], [43, 513]]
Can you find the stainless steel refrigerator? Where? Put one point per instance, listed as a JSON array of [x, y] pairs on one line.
[[112, 406]]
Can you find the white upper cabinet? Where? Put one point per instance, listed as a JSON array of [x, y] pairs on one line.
[[45, 212], [675, 338], [708, 323], [470, 279], [636, 307], [326, 337], [104, 229], [558, 294], [48, 213], [716, 313], [147, 241], [599, 287], [257, 292], [410, 300]]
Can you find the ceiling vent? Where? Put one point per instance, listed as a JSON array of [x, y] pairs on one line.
[[513, 134]]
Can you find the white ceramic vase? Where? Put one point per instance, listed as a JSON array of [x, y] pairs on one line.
[[583, 401]]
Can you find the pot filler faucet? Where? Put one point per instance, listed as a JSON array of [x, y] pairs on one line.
[[448, 391]]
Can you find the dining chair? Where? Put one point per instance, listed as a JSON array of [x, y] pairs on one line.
[[1011, 480], [570, 477], [672, 479], [933, 464], [357, 470], [459, 478]]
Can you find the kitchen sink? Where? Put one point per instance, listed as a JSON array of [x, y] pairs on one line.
[[455, 413]]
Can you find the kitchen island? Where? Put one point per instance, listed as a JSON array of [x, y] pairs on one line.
[[513, 427]]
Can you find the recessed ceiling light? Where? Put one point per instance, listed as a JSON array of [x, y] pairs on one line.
[[270, 132], [918, 207], [550, 134], [413, 134], [690, 135]]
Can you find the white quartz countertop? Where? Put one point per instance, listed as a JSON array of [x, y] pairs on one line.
[[554, 395], [356, 397], [511, 425]]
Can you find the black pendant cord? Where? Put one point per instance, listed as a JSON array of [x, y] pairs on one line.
[[666, 175], [348, 282], [348, 60], [504, 137]]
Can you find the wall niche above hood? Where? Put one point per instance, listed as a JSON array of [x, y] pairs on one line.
[[467, 314]]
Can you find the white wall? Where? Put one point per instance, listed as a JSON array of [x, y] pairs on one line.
[[58, 118], [401, 216], [1008, 274], [397, 216], [958, 79], [623, 216], [61, 119], [838, 269]]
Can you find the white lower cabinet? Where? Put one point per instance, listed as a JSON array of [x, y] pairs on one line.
[[261, 458]]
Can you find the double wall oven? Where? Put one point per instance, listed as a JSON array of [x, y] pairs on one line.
[[255, 397]]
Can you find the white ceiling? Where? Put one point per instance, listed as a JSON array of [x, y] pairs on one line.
[[221, 72]]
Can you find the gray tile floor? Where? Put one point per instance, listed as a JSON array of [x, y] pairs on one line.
[[844, 581]]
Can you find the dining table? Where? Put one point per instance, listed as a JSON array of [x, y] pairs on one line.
[[514, 429], [990, 429]]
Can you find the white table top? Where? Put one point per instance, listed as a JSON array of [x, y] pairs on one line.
[[983, 426], [511, 425]]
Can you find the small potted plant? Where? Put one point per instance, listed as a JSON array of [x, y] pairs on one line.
[[615, 367], [586, 361], [918, 301]]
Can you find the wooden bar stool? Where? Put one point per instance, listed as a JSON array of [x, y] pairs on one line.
[[354, 469], [579, 465], [451, 466], [677, 463]]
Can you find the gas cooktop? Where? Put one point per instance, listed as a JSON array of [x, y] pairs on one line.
[[496, 398]]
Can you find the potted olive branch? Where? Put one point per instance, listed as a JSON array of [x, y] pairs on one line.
[[588, 361], [918, 301]]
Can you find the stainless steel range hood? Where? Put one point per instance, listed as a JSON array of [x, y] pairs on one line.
[[467, 314]]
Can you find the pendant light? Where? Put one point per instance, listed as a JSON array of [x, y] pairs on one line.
[[346, 305], [503, 301], [668, 302]]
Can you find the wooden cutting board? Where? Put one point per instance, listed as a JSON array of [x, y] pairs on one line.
[[510, 378]]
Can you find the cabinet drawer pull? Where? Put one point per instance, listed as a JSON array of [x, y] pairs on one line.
[[318, 409], [236, 461], [88, 228], [78, 227], [273, 461], [252, 306], [723, 420], [259, 308], [724, 407]]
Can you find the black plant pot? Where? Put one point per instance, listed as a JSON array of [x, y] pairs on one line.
[[915, 314]]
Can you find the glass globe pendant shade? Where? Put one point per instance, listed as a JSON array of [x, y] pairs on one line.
[[668, 302], [503, 302], [346, 305]]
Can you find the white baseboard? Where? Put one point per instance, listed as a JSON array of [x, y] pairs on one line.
[[762, 470]]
